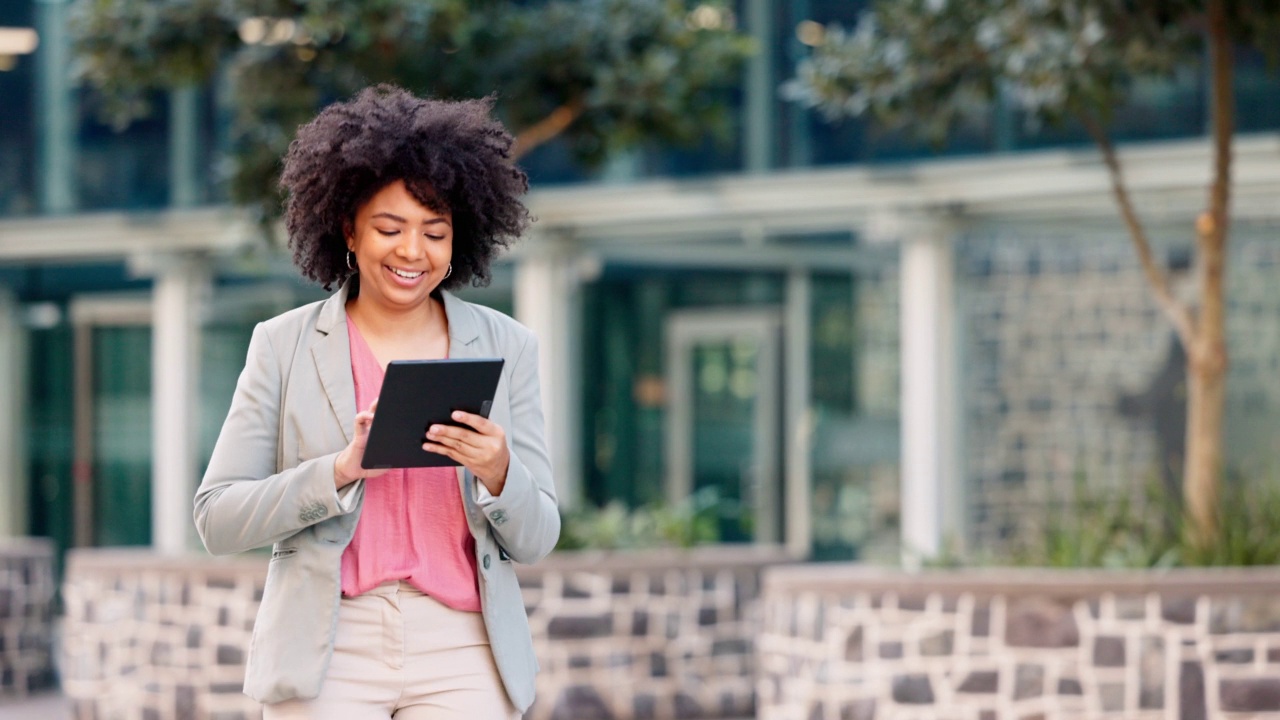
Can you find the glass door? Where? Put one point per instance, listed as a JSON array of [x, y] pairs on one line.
[[723, 430], [122, 436], [111, 399]]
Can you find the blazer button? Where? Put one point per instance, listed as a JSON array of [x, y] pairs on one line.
[[486, 561]]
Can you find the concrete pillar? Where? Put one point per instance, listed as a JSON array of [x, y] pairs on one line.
[[798, 426], [181, 288], [55, 110], [931, 474], [184, 136], [548, 302], [761, 90], [14, 483]]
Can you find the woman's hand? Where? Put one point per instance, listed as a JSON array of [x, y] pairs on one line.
[[480, 448], [347, 469]]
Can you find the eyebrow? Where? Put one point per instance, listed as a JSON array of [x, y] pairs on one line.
[[399, 219]]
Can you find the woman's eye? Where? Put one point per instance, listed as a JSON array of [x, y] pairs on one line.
[[388, 233], [436, 237]]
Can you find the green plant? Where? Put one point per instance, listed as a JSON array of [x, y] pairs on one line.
[[1249, 518], [1105, 527], [693, 521]]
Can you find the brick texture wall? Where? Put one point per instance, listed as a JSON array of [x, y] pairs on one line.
[[26, 616], [856, 644]]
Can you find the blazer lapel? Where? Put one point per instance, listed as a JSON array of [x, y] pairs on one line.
[[332, 354], [462, 335]]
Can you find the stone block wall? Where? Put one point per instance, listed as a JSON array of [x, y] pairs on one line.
[[151, 637], [848, 643], [26, 616], [658, 634], [1070, 372], [621, 635]]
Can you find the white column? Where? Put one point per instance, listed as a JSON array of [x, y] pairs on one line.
[[547, 302], [798, 427], [184, 135], [180, 289], [760, 89], [55, 109], [930, 464], [14, 500]]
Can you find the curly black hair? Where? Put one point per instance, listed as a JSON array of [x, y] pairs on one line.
[[452, 156]]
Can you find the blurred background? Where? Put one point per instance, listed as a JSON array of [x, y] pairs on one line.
[[819, 284]]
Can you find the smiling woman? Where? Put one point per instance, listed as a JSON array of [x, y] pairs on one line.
[[398, 199]]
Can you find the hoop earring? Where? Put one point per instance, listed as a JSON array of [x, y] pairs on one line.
[[448, 272], [351, 260]]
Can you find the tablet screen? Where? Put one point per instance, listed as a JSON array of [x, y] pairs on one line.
[[417, 394]]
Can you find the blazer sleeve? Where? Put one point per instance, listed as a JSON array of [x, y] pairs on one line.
[[524, 517], [242, 502]]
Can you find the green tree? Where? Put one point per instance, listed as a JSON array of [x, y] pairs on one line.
[[604, 74], [928, 64]]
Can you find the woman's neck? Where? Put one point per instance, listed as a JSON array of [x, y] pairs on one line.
[[424, 321]]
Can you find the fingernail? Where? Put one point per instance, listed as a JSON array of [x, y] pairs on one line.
[[457, 415]]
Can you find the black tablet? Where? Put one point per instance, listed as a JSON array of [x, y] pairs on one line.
[[417, 394]]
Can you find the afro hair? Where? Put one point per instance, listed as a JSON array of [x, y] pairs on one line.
[[452, 156]]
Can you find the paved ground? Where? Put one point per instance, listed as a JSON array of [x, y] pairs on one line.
[[46, 706]]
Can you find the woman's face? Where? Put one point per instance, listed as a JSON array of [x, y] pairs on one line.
[[402, 248]]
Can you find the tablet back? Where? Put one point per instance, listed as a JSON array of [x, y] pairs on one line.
[[417, 394]]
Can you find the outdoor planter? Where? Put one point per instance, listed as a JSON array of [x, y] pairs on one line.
[[626, 634], [26, 615], [856, 643]]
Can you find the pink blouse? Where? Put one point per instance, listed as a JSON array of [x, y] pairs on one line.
[[412, 526]]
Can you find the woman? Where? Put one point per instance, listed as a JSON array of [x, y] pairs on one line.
[[389, 593]]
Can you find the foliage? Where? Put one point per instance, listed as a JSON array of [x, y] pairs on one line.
[[607, 74], [931, 64], [1106, 528], [691, 522]]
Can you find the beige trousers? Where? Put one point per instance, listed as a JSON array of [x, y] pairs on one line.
[[401, 654]]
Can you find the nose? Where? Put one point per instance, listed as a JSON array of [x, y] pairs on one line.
[[413, 246]]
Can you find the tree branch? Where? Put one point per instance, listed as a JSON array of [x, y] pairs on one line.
[[1177, 312], [547, 128]]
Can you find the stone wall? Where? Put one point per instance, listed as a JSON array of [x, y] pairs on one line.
[[849, 643], [1070, 370], [26, 616], [622, 635]]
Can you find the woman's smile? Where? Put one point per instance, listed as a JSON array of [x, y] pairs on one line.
[[405, 278]]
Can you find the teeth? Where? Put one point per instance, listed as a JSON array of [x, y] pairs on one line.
[[404, 274]]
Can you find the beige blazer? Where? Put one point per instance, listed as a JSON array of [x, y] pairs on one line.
[[270, 482]]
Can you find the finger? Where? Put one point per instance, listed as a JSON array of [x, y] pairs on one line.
[[482, 424], [445, 451], [454, 435], [373, 408]]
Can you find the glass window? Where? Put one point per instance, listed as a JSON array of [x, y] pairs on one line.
[[625, 316], [127, 169], [1257, 93], [17, 130]]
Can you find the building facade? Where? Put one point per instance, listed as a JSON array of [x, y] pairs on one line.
[[861, 347]]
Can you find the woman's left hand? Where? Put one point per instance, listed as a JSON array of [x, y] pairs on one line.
[[480, 448]]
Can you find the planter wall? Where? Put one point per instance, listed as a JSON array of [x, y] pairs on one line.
[[858, 644], [621, 635], [26, 616]]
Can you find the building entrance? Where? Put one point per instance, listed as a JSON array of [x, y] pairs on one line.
[[723, 433]]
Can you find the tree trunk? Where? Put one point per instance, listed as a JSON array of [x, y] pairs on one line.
[[1207, 360]]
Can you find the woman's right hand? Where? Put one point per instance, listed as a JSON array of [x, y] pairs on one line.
[[347, 469]]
